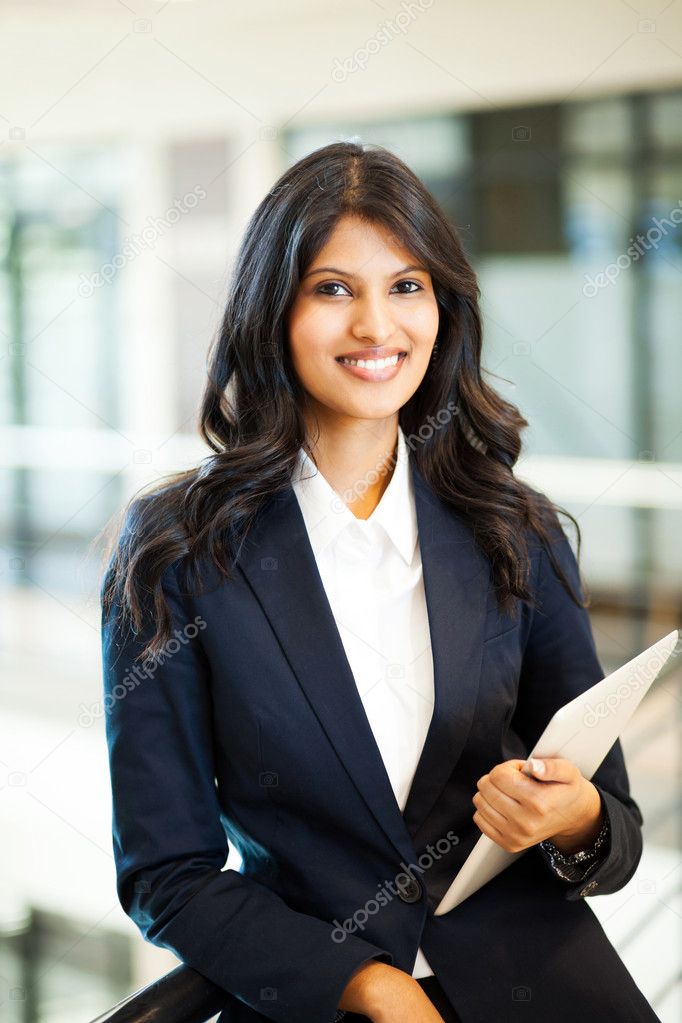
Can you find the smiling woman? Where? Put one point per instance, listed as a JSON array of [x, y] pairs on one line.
[[376, 302], [352, 395], [347, 254], [385, 614]]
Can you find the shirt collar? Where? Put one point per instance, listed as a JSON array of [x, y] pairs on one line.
[[326, 514]]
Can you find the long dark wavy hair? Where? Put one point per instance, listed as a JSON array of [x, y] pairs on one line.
[[251, 413]]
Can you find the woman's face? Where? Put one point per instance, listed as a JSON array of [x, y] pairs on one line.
[[363, 297]]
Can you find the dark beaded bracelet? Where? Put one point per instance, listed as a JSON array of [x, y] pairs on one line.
[[568, 865]]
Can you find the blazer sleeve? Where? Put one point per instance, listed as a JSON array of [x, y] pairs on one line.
[[560, 661], [170, 846]]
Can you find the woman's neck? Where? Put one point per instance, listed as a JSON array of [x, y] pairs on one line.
[[358, 460]]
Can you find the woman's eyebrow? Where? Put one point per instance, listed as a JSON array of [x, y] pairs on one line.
[[345, 273]]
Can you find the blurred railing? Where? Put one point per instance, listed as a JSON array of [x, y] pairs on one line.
[[181, 996]]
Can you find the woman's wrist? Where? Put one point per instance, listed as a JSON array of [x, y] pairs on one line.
[[586, 832]]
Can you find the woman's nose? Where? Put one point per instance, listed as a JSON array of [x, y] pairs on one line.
[[372, 318]]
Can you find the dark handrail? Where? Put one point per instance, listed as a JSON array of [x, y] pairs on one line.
[[181, 996]]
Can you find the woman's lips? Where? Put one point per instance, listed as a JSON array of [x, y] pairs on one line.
[[372, 353], [369, 373]]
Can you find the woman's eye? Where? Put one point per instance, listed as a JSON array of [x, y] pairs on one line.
[[330, 284], [337, 284], [417, 286]]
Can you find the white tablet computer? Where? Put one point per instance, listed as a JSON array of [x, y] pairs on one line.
[[582, 731]]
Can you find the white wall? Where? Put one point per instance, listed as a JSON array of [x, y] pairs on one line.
[[148, 68]]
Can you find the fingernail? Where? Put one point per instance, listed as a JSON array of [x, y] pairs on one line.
[[536, 766]]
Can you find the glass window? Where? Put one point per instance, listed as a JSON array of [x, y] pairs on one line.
[[666, 119], [597, 126]]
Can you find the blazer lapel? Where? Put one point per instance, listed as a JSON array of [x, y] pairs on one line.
[[279, 565], [456, 584]]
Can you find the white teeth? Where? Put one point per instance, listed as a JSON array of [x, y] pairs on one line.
[[372, 363]]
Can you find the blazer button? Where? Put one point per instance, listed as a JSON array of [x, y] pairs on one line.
[[589, 887], [410, 890]]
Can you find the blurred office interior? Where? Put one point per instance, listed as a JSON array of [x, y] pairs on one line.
[[135, 141]]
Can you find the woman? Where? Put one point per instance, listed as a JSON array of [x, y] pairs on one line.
[[353, 622]]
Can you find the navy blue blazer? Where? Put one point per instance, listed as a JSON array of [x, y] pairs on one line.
[[251, 726]]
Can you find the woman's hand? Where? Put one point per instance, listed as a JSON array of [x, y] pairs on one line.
[[386, 994], [517, 811]]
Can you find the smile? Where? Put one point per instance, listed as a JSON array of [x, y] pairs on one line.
[[373, 369]]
